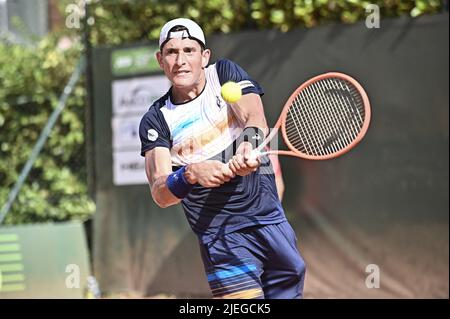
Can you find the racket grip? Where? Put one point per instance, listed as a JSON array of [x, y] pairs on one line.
[[255, 153]]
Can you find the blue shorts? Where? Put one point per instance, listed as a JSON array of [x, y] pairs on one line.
[[255, 262]]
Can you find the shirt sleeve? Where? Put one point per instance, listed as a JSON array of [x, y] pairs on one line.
[[153, 130], [229, 71]]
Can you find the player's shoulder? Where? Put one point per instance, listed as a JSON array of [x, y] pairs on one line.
[[224, 61], [228, 70], [156, 106], [224, 64], [161, 102], [154, 115]]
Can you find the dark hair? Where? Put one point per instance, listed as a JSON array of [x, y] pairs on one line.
[[181, 28]]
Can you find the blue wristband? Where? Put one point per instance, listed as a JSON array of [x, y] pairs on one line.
[[177, 184]]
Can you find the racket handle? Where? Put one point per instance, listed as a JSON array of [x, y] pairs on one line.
[[271, 152], [254, 152], [258, 153]]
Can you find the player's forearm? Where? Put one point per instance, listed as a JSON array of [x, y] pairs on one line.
[[257, 119], [280, 187], [161, 193], [254, 113]]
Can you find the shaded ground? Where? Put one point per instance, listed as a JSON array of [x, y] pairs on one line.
[[412, 259]]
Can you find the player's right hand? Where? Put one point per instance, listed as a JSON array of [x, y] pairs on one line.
[[208, 173], [245, 161]]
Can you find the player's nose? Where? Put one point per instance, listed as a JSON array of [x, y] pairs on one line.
[[180, 60]]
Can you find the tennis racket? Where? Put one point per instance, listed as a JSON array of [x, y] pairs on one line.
[[324, 118]]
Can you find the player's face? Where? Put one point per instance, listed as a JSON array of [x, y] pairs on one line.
[[182, 61]]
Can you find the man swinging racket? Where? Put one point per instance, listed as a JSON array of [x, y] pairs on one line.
[[197, 150]]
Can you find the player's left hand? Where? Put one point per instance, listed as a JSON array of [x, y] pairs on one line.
[[245, 161]]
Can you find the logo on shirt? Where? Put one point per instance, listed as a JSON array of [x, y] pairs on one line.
[[152, 135], [220, 103]]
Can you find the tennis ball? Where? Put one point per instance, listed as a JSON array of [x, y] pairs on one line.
[[231, 92]]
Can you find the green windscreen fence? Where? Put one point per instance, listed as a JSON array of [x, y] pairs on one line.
[[384, 205], [43, 261]]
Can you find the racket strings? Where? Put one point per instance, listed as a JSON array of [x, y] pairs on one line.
[[354, 114], [337, 119], [325, 117], [306, 127]]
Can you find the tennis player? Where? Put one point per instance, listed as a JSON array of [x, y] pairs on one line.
[[197, 153]]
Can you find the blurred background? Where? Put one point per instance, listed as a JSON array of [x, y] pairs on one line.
[[77, 219]]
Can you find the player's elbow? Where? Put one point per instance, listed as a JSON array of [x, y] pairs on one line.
[[161, 194], [161, 201], [163, 204]]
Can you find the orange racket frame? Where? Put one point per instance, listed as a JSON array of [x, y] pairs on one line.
[[281, 123]]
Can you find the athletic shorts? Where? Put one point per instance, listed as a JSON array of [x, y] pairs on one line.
[[255, 262]]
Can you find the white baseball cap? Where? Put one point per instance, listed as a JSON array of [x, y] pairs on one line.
[[192, 31]]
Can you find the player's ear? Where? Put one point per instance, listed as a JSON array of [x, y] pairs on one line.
[[159, 58], [206, 54]]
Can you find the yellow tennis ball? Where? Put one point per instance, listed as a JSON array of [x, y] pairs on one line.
[[231, 92]]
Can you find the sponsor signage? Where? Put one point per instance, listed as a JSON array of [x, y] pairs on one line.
[[131, 98], [133, 61]]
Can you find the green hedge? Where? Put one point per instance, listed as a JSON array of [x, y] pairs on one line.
[[123, 21], [31, 81]]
